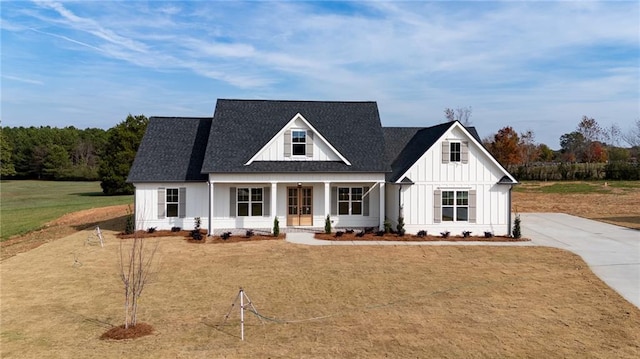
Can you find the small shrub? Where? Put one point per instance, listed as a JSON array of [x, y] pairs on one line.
[[360, 234], [369, 230], [327, 225], [445, 234], [151, 230], [129, 227], [176, 229], [387, 226], [488, 234], [516, 227], [466, 234], [197, 222], [400, 226], [349, 231], [339, 234], [195, 234], [276, 227], [249, 233], [225, 235], [380, 233], [422, 234]]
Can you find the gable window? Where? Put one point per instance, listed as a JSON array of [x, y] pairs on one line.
[[350, 200], [299, 142], [455, 206], [454, 152], [249, 202]]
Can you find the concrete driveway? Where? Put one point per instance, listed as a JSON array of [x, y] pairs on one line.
[[612, 252]]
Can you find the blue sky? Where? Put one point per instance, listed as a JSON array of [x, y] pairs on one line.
[[532, 65]]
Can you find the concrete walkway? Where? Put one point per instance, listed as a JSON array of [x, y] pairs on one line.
[[612, 252]]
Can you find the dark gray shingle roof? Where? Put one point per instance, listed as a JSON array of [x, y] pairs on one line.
[[172, 150], [241, 128], [414, 147]]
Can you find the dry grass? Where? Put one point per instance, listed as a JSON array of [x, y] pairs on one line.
[[378, 301]]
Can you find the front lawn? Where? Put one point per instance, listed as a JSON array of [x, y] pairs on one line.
[[29, 205]]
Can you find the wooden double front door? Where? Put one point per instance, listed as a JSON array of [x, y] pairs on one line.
[[299, 206]]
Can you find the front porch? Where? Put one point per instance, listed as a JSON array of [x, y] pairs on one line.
[[299, 204]]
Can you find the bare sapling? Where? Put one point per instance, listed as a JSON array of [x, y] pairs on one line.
[[136, 266]]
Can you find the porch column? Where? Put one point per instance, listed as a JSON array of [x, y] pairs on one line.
[[327, 199], [381, 185], [210, 222], [274, 198]]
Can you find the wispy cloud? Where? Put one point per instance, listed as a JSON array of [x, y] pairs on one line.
[[509, 60], [22, 79]]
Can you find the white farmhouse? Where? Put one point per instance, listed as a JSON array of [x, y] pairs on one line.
[[300, 161]]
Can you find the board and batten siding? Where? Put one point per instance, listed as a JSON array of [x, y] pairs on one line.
[[429, 174], [279, 149], [148, 214]]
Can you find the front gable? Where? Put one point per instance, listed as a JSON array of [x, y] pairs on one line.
[[456, 157], [298, 140]]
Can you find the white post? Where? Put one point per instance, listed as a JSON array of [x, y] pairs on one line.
[[274, 199], [382, 208], [327, 199], [241, 314], [210, 222]]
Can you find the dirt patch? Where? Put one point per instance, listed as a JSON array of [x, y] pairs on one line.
[[133, 332], [108, 218]]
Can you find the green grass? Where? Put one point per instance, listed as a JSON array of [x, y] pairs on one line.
[[26, 206], [584, 187]]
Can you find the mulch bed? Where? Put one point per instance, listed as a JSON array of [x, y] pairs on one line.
[[160, 233], [187, 236], [120, 333], [414, 238]]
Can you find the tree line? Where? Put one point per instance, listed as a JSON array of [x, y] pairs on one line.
[[91, 154], [588, 152]]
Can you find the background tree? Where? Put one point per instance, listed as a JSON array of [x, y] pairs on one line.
[[545, 154], [632, 135], [122, 144], [505, 147], [461, 114], [6, 163], [572, 146], [529, 152]]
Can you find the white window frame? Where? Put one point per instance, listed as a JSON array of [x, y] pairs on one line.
[[459, 200], [170, 193], [252, 202], [352, 198], [302, 144]]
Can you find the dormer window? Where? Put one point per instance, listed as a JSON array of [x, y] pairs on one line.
[[298, 142]]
